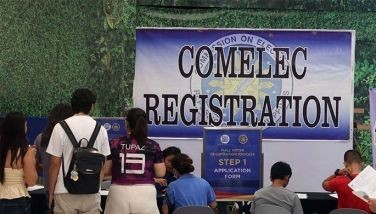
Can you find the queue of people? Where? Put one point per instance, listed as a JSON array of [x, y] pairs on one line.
[[134, 162], [144, 179]]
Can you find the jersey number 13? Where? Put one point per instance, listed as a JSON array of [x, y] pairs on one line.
[[133, 159]]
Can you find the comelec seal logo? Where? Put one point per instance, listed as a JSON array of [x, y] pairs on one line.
[[115, 127], [243, 139], [107, 126], [225, 139], [256, 87]]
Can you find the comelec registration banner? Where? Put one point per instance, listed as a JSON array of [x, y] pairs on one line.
[[294, 84]]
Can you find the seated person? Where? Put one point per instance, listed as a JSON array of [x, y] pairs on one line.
[[188, 190], [161, 183], [338, 182], [276, 194]]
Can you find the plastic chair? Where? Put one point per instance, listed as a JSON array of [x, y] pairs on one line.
[[194, 210], [270, 209], [347, 211]]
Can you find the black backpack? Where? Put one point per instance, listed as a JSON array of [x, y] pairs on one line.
[[83, 176]]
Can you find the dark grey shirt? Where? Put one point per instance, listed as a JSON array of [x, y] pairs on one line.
[[277, 196]]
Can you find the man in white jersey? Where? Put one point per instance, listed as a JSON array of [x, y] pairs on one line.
[[82, 126]]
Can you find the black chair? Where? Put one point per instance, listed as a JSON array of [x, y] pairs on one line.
[[270, 209], [347, 211], [194, 210]]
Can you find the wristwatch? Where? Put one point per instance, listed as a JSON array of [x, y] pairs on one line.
[[336, 173]]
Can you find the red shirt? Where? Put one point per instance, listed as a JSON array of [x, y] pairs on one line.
[[346, 199]]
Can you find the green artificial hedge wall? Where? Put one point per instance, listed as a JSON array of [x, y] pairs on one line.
[[48, 48]]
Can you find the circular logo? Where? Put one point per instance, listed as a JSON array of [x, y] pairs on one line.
[[225, 139], [116, 127], [243, 139], [259, 88], [107, 126]]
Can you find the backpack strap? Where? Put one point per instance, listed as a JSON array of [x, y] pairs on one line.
[[94, 135], [69, 133], [72, 139]]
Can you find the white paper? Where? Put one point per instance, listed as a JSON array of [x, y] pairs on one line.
[[334, 195], [364, 185], [302, 195], [362, 195], [35, 187]]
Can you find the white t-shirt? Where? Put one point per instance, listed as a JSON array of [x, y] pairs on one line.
[[82, 126]]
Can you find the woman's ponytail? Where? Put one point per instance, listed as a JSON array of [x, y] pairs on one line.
[[138, 125]]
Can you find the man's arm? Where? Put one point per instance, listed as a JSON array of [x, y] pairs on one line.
[[326, 183], [211, 198], [253, 207], [213, 205], [297, 209], [55, 149], [55, 164], [106, 170], [159, 170]]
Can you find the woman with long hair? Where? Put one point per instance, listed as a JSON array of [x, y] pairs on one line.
[[58, 113], [17, 165], [135, 161], [188, 190]]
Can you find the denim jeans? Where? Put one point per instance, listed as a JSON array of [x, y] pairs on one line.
[[15, 206]]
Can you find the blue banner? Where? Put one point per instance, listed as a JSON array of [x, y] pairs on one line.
[[294, 84], [35, 126], [232, 160], [115, 126]]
